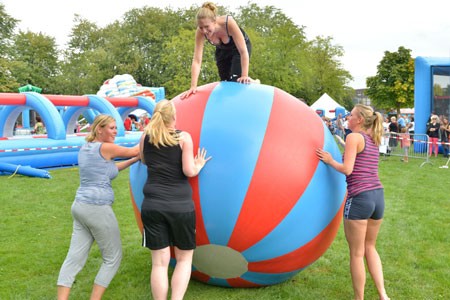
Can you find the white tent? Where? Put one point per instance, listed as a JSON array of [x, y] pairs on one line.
[[326, 103]]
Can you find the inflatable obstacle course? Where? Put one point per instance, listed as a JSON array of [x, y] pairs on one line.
[[60, 113]]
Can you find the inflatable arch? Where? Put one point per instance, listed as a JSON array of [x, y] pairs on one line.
[[124, 107], [21, 102], [431, 90], [59, 114], [46, 106]]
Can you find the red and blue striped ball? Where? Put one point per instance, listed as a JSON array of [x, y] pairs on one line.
[[266, 206]]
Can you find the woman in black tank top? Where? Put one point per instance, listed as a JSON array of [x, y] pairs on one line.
[[233, 47], [168, 212]]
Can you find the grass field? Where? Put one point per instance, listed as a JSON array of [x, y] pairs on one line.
[[414, 242]]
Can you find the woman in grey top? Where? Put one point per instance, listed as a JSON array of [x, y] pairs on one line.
[[93, 217]]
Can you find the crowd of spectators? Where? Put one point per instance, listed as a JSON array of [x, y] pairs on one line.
[[132, 123], [402, 126]]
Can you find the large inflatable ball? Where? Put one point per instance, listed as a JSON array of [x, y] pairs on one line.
[[266, 206]]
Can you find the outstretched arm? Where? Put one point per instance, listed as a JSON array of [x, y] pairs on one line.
[[192, 165], [354, 144], [196, 64], [340, 140], [238, 38], [110, 151]]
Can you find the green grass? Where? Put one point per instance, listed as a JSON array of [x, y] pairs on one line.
[[414, 242]]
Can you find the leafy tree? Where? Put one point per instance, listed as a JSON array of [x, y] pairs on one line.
[[35, 59], [347, 101], [7, 81], [176, 59], [393, 86], [156, 46], [327, 72], [84, 73], [151, 29], [87, 61], [7, 24], [279, 48], [283, 57], [133, 46]]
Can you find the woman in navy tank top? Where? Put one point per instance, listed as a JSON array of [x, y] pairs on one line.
[[233, 47]]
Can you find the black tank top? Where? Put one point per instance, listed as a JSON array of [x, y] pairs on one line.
[[167, 188], [230, 44]]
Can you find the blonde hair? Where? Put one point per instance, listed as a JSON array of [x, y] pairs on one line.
[[372, 120], [157, 129], [207, 11], [99, 121]]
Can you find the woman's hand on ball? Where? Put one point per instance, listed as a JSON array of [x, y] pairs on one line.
[[200, 159], [189, 92], [324, 156]]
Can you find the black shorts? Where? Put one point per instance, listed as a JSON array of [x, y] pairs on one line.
[[163, 229], [365, 205]]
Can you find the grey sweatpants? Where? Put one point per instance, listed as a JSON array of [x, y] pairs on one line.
[[92, 222]]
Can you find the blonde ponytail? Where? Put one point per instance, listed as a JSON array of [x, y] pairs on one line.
[[157, 129], [373, 121], [377, 128]]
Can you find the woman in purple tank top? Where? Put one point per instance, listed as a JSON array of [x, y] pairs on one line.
[[364, 206]]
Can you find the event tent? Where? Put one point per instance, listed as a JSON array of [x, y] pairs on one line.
[[326, 103]]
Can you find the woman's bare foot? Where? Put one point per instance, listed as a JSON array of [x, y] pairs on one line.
[[384, 297]]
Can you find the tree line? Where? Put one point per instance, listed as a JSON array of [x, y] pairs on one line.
[[156, 46]]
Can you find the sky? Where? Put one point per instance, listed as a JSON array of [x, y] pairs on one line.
[[364, 29]]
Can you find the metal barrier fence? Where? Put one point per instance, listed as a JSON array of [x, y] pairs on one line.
[[406, 145]]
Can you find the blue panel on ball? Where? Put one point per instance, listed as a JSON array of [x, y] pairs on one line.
[[268, 278], [232, 108], [219, 282], [311, 214], [138, 177]]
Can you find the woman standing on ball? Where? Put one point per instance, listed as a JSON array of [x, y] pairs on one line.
[[364, 207], [233, 47], [167, 211]]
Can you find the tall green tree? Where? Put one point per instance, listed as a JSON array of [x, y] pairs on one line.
[[328, 75], [279, 48], [8, 82], [143, 44], [87, 62], [176, 59], [156, 46], [152, 30], [283, 57], [7, 26], [393, 86], [35, 60]]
